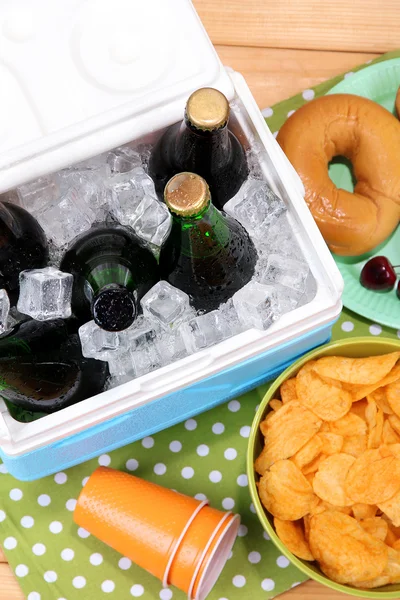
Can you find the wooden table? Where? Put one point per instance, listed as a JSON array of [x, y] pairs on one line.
[[283, 47]]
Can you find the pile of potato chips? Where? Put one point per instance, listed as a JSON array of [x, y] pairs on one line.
[[330, 467]]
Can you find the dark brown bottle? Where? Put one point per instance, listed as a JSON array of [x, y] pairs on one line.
[[208, 254], [23, 245], [202, 144]]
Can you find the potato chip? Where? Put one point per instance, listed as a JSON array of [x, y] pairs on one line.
[[372, 583], [291, 533], [395, 423], [358, 408], [396, 545], [374, 416], [313, 466], [390, 538], [331, 442], [358, 392], [329, 480], [306, 525], [350, 424], [391, 573], [376, 526], [360, 371], [380, 397], [355, 445], [345, 552], [323, 505], [275, 404], [288, 390], [395, 530], [325, 400], [374, 476], [308, 452], [325, 427], [285, 433], [391, 508], [389, 436], [285, 492], [393, 396], [363, 511]]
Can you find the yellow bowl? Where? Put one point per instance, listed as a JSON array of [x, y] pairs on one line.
[[355, 347]]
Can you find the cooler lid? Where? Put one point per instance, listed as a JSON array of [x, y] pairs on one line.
[[79, 77]]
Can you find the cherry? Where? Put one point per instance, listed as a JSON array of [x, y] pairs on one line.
[[398, 290], [378, 274]]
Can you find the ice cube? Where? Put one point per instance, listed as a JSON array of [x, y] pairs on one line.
[[153, 221], [123, 159], [66, 219], [167, 305], [285, 271], [171, 347], [280, 239], [205, 330], [45, 294], [134, 362], [126, 194], [145, 151], [254, 306], [254, 156], [4, 311], [96, 163], [140, 332], [38, 194], [255, 206], [98, 343]]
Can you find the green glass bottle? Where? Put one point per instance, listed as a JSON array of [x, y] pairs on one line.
[[208, 254]]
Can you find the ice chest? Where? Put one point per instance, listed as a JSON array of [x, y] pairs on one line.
[[80, 77]]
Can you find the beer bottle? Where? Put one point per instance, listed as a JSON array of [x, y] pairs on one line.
[[23, 245], [202, 144], [112, 270], [42, 369], [208, 254]]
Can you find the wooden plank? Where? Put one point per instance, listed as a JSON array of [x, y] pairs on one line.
[[311, 590], [9, 588], [358, 25], [274, 74]]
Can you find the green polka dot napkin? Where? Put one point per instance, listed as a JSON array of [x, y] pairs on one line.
[[53, 559]]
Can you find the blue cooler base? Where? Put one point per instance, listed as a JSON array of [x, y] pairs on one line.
[[163, 412]]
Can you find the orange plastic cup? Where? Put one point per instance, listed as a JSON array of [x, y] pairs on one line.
[[139, 519]]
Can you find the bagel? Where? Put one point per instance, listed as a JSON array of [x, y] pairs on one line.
[[369, 136]]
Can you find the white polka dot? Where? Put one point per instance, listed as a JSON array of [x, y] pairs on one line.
[[202, 450], [83, 533], [3, 469], [275, 134], [108, 586], [349, 74], [245, 431], [70, 504], [16, 494], [44, 500], [60, 478], [50, 576], [242, 530], [175, 446], [21, 570], [104, 460], [228, 503], [254, 557], [201, 497], [10, 543], [268, 585], [347, 326], [79, 582], [230, 454], [187, 472], [218, 428], [147, 442], [234, 405], [27, 522], [215, 476], [252, 508], [124, 563], [34, 596], [266, 536], [375, 329], [39, 549], [290, 113], [308, 94], [282, 562], [160, 469], [166, 594], [137, 590], [190, 424], [239, 581], [67, 554], [132, 464], [96, 559], [84, 481], [267, 112], [242, 480], [2, 515], [55, 527]]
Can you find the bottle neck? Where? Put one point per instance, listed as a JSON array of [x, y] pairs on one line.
[[109, 272], [196, 145]]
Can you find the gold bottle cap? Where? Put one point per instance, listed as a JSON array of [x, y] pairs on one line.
[[207, 108], [187, 194]]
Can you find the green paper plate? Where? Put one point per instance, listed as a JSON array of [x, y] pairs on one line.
[[380, 83]]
